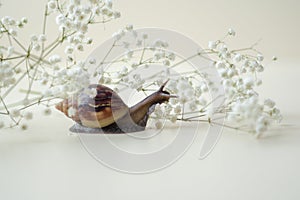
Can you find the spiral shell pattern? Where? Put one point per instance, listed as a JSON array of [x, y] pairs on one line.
[[99, 111]]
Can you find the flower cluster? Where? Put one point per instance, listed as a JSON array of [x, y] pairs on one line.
[[60, 76], [239, 70], [49, 75]]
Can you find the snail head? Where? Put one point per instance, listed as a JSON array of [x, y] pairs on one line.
[[164, 95]]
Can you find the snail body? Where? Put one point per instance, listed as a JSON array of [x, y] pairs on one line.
[[107, 113]]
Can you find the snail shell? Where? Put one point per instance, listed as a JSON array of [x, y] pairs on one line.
[[106, 112]]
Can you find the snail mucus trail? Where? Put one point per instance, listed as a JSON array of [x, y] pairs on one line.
[[107, 113]]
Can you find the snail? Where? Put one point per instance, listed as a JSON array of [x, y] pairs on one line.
[[107, 113]]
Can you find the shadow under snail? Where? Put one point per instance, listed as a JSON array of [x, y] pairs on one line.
[[107, 113]]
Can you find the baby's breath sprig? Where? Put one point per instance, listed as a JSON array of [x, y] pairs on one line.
[[35, 72], [239, 71]]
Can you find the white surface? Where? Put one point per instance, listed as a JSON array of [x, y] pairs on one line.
[[46, 163], [49, 164]]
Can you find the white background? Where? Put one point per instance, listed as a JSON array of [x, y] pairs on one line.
[[46, 163]]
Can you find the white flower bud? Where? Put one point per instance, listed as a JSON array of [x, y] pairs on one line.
[[270, 103], [260, 57], [129, 27], [60, 19], [231, 32], [51, 5], [166, 62], [220, 65], [89, 40], [24, 20], [237, 58], [248, 82], [42, 38], [177, 109], [173, 119], [12, 32], [36, 47], [117, 14], [33, 38], [54, 59], [10, 50], [25, 102], [24, 127], [258, 82], [92, 61], [212, 45], [69, 50], [158, 124], [15, 113], [274, 58]]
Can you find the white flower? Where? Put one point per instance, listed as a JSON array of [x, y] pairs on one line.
[[262, 124], [108, 3], [129, 27], [79, 47], [51, 5], [42, 38], [34, 38], [260, 57], [89, 40], [231, 73], [28, 115], [202, 101], [212, 45], [24, 20], [12, 32], [274, 58], [25, 102], [166, 62], [92, 61], [231, 32], [54, 59], [10, 51], [173, 101], [258, 82], [171, 56], [158, 124], [248, 82], [177, 109], [60, 19], [117, 14], [189, 92], [204, 88], [173, 119], [237, 58], [158, 111], [15, 113], [260, 68], [270, 103], [69, 50], [193, 106], [182, 85], [36, 47], [220, 65], [24, 127]]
